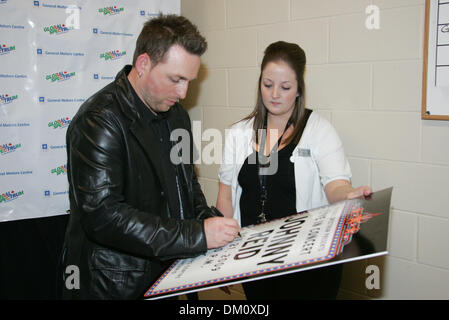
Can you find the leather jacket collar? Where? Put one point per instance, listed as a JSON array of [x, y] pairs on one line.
[[124, 92]]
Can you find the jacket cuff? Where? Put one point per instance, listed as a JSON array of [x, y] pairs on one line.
[[209, 213]]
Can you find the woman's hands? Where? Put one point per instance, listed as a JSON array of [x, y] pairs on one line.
[[363, 191], [339, 190]]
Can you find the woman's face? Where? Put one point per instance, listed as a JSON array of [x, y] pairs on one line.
[[279, 88]]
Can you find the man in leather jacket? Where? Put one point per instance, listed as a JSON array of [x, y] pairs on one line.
[[132, 208]]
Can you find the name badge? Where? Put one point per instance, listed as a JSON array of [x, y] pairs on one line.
[[304, 152], [300, 153]]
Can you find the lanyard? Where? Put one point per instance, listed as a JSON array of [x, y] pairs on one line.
[[261, 166]]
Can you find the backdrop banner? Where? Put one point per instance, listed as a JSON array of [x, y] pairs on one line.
[[54, 54]]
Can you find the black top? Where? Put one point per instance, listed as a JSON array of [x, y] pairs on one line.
[[161, 129], [280, 186]]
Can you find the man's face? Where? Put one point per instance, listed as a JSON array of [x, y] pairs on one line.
[[167, 82]]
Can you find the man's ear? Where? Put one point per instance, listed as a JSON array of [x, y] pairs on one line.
[[143, 63]]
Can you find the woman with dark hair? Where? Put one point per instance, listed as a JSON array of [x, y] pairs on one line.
[[283, 159]]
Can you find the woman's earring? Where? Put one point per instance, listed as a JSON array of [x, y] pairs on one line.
[[140, 74]]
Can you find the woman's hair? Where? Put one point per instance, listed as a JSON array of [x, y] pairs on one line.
[[294, 56], [160, 33]]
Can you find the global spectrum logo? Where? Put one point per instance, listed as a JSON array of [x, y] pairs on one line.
[[6, 98], [60, 170], [4, 49], [112, 55], [9, 147], [10, 195], [112, 10], [60, 76], [60, 123], [58, 29]]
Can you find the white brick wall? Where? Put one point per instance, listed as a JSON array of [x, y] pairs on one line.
[[368, 83]]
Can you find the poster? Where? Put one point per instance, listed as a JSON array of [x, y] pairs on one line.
[[341, 232]]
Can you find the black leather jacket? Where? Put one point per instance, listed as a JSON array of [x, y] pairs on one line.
[[120, 231]]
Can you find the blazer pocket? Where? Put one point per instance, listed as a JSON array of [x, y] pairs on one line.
[[306, 169], [306, 176]]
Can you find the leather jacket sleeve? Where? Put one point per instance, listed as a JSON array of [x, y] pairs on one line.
[[95, 146]]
